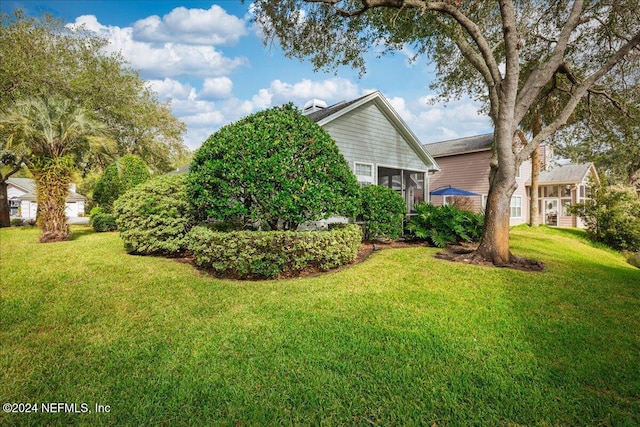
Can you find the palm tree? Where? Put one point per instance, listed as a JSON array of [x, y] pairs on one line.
[[57, 136]]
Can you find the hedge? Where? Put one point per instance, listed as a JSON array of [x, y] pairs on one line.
[[269, 254]]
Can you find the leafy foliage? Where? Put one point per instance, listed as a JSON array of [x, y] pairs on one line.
[[108, 188], [268, 254], [442, 225], [103, 222], [275, 167], [72, 64], [155, 216], [119, 177], [612, 216], [55, 135], [383, 212]]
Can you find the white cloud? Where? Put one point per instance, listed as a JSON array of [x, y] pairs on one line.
[[334, 89], [162, 60], [191, 26], [168, 89], [400, 106], [216, 88]]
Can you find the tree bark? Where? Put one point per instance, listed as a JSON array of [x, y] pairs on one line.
[[5, 212], [52, 188], [534, 219]]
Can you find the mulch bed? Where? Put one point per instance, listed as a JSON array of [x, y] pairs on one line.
[[456, 253]]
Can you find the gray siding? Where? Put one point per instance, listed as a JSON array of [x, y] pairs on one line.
[[366, 135]]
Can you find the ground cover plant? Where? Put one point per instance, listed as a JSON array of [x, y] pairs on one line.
[[400, 339]]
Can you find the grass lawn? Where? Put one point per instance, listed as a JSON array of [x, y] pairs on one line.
[[400, 339]]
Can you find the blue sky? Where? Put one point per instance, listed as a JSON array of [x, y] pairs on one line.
[[208, 59]]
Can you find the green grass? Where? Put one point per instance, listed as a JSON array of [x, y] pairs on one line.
[[401, 339]]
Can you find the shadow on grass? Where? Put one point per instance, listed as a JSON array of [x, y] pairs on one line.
[[80, 231]]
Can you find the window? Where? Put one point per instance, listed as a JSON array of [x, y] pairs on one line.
[[364, 173], [566, 204], [447, 200], [516, 207]]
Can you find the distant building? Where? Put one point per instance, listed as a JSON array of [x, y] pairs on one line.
[[23, 204]]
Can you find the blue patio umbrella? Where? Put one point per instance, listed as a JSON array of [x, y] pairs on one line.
[[452, 191]]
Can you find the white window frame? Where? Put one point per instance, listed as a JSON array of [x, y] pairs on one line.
[[365, 179], [517, 207], [485, 197]]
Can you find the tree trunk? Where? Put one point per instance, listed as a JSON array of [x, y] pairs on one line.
[[494, 245], [5, 211], [52, 188], [534, 218]]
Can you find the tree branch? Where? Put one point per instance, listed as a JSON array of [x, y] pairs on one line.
[[577, 93]]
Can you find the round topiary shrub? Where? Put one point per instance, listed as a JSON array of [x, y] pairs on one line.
[[383, 212], [154, 217], [275, 168]]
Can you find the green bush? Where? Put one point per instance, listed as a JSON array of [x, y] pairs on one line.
[[103, 222], [268, 254], [97, 210], [383, 212], [17, 222], [108, 188], [612, 217], [154, 217], [118, 178], [442, 225], [276, 168]]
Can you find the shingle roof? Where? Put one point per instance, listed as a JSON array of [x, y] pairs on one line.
[[316, 116], [570, 173], [469, 144], [28, 185]]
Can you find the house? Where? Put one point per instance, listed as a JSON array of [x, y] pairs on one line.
[[378, 145], [560, 187], [465, 164], [21, 193]]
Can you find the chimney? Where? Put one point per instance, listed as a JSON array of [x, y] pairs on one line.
[[72, 187], [313, 105]]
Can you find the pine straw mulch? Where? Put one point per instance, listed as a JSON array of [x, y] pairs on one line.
[[455, 253]]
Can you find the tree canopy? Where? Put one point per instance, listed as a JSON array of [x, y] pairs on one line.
[[503, 51], [41, 57]]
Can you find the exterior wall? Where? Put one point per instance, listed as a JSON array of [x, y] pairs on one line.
[[471, 172], [366, 135]]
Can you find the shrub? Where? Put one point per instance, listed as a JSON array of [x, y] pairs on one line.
[[275, 167], [98, 210], [17, 222], [612, 217], [154, 217], [268, 254], [103, 222], [118, 178], [383, 212], [108, 188], [442, 225]]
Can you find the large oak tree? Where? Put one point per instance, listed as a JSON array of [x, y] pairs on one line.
[[514, 48]]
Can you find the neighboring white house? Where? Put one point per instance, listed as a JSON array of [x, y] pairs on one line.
[[21, 193]]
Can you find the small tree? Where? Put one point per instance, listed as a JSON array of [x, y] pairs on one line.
[[119, 177], [108, 188], [275, 167]]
